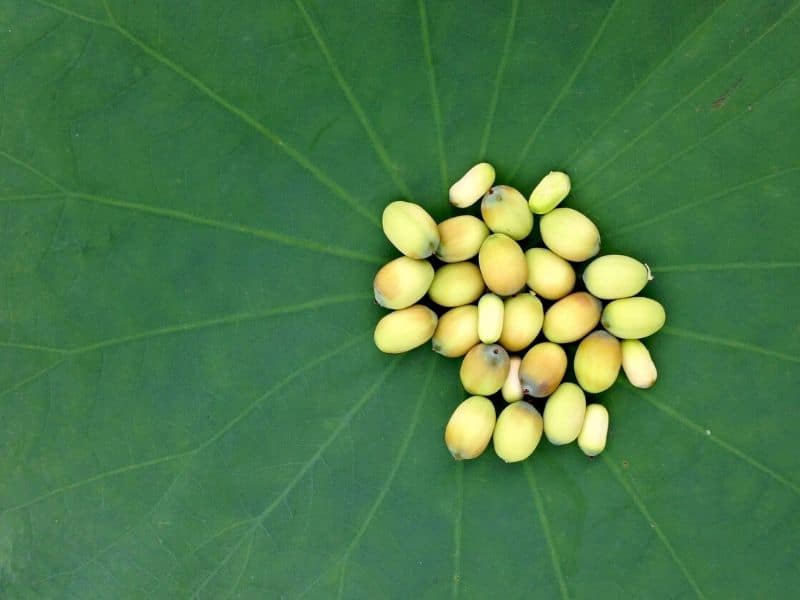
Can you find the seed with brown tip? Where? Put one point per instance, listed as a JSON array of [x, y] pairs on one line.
[[505, 210], [542, 369], [470, 428], [457, 331], [484, 369], [410, 229]]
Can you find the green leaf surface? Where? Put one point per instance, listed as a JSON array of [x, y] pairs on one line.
[[190, 200]]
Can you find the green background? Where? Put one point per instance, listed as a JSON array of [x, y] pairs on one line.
[[190, 194]]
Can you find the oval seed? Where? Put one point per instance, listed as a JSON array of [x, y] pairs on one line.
[[517, 432], [490, 318], [470, 428], [592, 439], [542, 369], [474, 184], [522, 321], [405, 329], [616, 276], [506, 211], [633, 318], [457, 331], [570, 234], [564, 414], [638, 364], [503, 265], [571, 318], [410, 229], [597, 361], [402, 282], [456, 284], [460, 238], [484, 369], [549, 275], [549, 192], [512, 388]]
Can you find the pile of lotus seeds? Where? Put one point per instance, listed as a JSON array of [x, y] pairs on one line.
[[498, 336]]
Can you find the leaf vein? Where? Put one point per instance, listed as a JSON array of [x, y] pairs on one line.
[[565, 88], [554, 558], [377, 144], [649, 518]]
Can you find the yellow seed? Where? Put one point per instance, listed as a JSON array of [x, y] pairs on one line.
[[549, 275], [517, 432], [570, 234], [402, 282], [616, 276], [542, 369], [505, 210], [490, 318], [633, 318], [571, 318], [522, 321], [550, 191], [638, 364], [474, 184], [564, 413], [592, 439], [405, 329], [457, 331], [597, 361], [484, 369], [470, 428], [456, 284], [411, 229], [460, 238], [502, 264], [512, 388]]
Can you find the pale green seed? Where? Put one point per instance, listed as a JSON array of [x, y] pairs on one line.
[[570, 234], [517, 432], [633, 318], [564, 414], [638, 364], [456, 284], [405, 329], [616, 276], [506, 211], [592, 439], [490, 318], [472, 186], [410, 229], [549, 192]]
